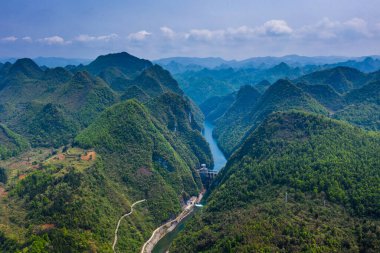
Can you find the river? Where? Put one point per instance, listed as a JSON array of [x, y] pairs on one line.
[[219, 161], [218, 156]]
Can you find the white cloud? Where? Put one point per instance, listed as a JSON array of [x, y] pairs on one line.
[[205, 34], [168, 32], [27, 39], [275, 27], [139, 36], [108, 37], [269, 28], [87, 38], [9, 39], [357, 25], [54, 40], [329, 29]]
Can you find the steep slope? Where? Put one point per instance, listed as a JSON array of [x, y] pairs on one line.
[[177, 115], [80, 98], [262, 86], [156, 81], [11, 143], [80, 93], [341, 79], [127, 64], [281, 96], [363, 107], [26, 67], [52, 127], [25, 81], [126, 135], [137, 157], [215, 107], [234, 119], [325, 95], [300, 182], [85, 97], [136, 93]]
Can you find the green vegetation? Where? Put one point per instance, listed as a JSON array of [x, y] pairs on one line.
[[231, 128], [52, 127], [49, 107], [202, 84], [341, 79], [3, 175], [11, 143], [215, 107], [137, 159], [294, 182], [180, 118], [57, 202], [363, 107], [329, 172]]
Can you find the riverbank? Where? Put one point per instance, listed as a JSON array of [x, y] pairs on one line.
[[161, 231]]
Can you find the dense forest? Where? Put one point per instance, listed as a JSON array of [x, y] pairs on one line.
[[80, 144], [300, 182], [108, 146]]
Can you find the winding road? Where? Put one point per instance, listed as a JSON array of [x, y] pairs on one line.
[[122, 217]]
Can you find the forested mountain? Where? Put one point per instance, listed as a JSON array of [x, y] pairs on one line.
[[300, 182], [144, 148], [215, 107], [315, 92], [231, 128], [11, 144], [26, 90], [203, 84], [341, 79], [368, 64], [90, 140], [363, 106]]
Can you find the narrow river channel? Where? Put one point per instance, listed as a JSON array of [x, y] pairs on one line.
[[219, 161]]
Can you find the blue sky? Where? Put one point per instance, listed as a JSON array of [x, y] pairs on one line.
[[162, 28]]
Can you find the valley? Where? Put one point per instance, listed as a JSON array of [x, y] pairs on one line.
[[114, 156]]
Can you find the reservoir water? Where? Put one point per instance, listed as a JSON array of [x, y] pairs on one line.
[[219, 161]]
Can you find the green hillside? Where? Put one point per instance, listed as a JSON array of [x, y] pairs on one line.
[[11, 143], [178, 116], [281, 96], [202, 84], [300, 182], [325, 95], [363, 107], [80, 93], [125, 63], [341, 79], [138, 157], [52, 127]]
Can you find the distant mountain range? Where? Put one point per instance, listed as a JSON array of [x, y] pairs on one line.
[[52, 62], [203, 83], [182, 64]]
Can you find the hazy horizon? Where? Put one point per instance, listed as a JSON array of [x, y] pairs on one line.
[[160, 29], [347, 57]]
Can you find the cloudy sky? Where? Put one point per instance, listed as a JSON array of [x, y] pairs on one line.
[[232, 29]]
